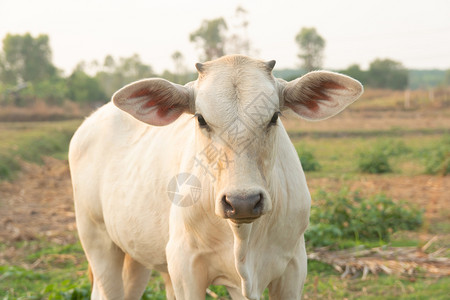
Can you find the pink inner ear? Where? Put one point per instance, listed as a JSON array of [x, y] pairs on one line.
[[151, 103], [318, 92], [332, 85], [168, 114], [164, 110], [139, 93]]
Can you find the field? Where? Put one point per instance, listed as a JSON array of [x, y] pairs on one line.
[[41, 258]]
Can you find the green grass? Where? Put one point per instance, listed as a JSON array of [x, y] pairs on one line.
[[325, 286], [45, 270], [30, 142], [53, 279], [338, 157]]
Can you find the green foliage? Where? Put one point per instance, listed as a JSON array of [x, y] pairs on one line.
[[387, 73], [424, 79], [311, 46], [376, 159], [32, 148], [210, 37], [355, 71], [117, 73], [83, 88], [26, 59], [349, 216], [446, 80], [8, 166], [35, 285], [437, 157], [373, 161], [67, 290], [332, 286], [308, 160], [382, 74], [318, 267], [53, 91], [392, 147], [238, 41]]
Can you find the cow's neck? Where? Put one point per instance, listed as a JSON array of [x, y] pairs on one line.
[[252, 253], [241, 234]]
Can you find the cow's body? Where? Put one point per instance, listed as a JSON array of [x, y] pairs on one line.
[[122, 170]]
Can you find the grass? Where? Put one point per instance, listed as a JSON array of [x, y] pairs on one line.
[[30, 142], [57, 277], [46, 271], [324, 286], [338, 156]]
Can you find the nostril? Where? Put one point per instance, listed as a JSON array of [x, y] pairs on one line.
[[257, 209], [228, 208]]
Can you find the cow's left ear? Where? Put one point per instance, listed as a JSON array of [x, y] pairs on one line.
[[319, 95], [155, 101]]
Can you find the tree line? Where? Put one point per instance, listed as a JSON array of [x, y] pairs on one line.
[[27, 72]]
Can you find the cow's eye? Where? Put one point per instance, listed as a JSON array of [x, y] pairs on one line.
[[201, 121], [274, 119]]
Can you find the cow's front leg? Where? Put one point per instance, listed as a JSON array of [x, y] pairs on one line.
[[290, 284], [187, 271]]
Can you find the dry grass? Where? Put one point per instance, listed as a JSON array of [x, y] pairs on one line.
[[41, 111], [381, 110]]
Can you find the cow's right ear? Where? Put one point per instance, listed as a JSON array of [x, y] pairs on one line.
[[155, 101]]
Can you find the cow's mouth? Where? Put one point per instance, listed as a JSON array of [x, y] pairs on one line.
[[243, 220]]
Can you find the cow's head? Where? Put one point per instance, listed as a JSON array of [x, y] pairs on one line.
[[237, 103]]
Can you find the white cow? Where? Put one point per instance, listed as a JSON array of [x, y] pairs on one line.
[[200, 182]]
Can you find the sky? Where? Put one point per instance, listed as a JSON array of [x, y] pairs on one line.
[[414, 32]]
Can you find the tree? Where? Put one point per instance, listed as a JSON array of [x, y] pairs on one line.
[[83, 88], [178, 61], [447, 78], [179, 76], [115, 74], [311, 48], [239, 42], [26, 59], [387, 73], [356, 72], [210, 37]]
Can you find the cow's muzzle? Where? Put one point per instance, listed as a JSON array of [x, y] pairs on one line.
[[242, 209]]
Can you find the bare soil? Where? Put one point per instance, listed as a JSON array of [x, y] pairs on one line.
[[39, 203]]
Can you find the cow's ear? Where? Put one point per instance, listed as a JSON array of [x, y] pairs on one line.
[[154, 101], [319, 95]]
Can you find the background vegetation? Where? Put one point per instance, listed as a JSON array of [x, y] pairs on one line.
[[351, 165], [28, 76]]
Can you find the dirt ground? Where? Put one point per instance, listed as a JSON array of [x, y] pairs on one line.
[[39, 203]]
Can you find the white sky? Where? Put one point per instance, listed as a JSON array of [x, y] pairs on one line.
[[414, 32]]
